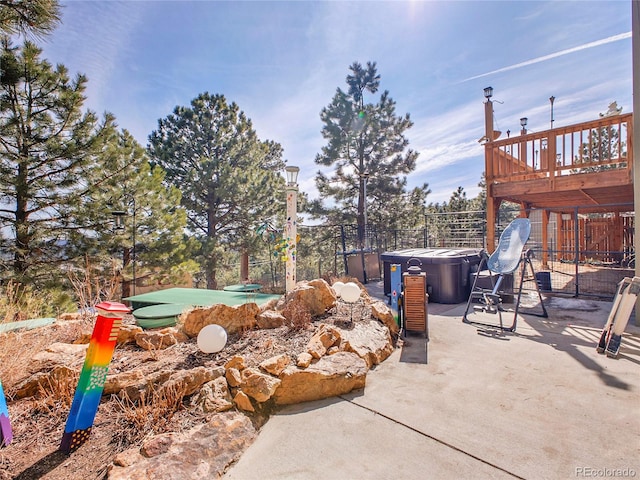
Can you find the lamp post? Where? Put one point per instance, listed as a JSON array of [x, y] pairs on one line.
[[523, 124], [488, 114], [291, 227], [119, 227], [552, 99]]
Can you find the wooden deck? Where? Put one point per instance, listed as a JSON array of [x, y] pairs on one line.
[[587, 165]]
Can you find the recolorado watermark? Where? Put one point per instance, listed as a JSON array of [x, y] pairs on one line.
[[591, 472]]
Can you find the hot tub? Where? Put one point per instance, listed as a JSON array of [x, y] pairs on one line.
[[447, 270]]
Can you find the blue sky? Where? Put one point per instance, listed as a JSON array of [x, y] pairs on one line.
[[281, 62]]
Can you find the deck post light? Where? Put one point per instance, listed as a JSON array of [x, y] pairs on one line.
[[523, 124], [488, 116]]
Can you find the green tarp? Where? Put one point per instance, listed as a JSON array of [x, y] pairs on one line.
[[26, 324], [198, 297]]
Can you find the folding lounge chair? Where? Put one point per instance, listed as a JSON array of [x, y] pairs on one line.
[[504, 261]]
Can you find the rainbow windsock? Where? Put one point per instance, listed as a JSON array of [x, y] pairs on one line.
[[93, 376], [6, 435]]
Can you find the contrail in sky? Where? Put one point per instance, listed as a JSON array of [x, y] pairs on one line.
[[597, 43]]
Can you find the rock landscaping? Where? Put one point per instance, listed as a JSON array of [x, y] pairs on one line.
[[172, 411]]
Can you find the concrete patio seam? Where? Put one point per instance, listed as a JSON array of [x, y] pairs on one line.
[[435, 439]]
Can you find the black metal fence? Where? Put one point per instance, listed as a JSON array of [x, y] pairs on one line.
[[586, 255]]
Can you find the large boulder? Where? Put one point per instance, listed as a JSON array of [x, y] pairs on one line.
[[68, 354], [214, 396], [122, 380], [381, 311], [270, 319], [317, 296], [275, 365], [232, 319], [185, 382], [204, 452], [324, 337], [330, 376], [259, 386], [371, 342], [159, 339], [43, 381]]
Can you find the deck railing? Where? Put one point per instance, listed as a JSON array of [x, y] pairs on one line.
[[587, 147]]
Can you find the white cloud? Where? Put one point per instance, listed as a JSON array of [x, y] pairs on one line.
[[446, 155], [284, 70], [544, 58], [93, 41]]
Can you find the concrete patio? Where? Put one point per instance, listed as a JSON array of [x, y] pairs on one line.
[[537, 403]]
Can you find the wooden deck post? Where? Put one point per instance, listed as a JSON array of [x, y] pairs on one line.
[[493, 207], [551, 159], [545, 239], [489, 174], [560, 228], [635, 130]]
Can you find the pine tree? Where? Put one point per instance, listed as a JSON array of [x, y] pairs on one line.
[[458, 202], [49, 154], [604, 146], [229, 179], [61, 168], [29, 17], [367, 148], [150, 239]]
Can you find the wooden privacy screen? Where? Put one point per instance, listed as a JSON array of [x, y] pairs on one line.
[[415, 302]]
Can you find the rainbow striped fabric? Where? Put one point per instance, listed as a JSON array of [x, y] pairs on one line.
[[6, 435], [93, 376]]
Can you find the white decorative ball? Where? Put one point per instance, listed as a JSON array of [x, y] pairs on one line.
[[338, 287], [212, 338], [350, 292]]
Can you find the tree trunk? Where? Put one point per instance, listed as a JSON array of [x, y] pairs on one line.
[[211, 263], [244, 266], [23, 235], [210, 272], [212, 283]]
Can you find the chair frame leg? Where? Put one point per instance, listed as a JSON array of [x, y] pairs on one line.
[[524, 261]]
